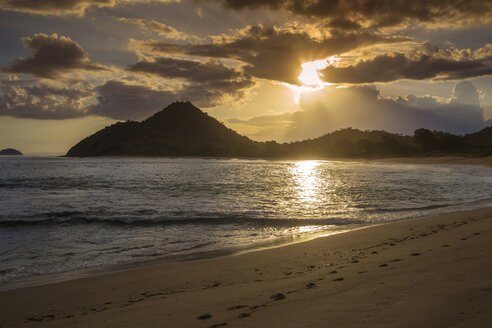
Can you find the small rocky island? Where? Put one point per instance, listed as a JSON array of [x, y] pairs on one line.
[[10, 151]]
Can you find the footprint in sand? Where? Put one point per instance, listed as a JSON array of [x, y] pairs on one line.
[[333, 272], [278, 297], [338, 279], [204, 317], [218, 325], [236, 307], [415, 254], [243, 315], [383, 265], [311, 285]]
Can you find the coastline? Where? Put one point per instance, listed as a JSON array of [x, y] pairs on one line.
[[430, 271]]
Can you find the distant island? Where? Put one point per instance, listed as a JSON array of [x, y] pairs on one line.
[[10, 151], [182, 129]]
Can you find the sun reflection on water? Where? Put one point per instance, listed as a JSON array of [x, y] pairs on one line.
[[307, 181]]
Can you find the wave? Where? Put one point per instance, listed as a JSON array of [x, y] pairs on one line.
[[408, 209], [64, 218], [149, 217]]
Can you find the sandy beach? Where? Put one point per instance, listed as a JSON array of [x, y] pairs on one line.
[[429, 272]]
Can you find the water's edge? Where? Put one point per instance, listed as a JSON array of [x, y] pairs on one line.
[[55, 278]]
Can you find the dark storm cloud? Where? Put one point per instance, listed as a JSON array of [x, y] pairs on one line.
[[42, 101], [50, 56], [272, 53], [430, 63], [62, 7], [374, 13]]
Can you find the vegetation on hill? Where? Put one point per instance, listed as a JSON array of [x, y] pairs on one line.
[[181, 129]]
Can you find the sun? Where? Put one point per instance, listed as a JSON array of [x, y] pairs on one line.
[[310, 72], [310, 77]]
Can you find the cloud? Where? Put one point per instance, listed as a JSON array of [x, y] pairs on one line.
[[210, 74], [64, 7], [124, 100], [364, 108], [205, 83], [52, 55], [273, 53], [159, 28], [351, 14], [43, 101], [465, 93], [120, 100], [428, 63]]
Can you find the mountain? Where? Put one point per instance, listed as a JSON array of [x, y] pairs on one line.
[[10, 151], [181, 129]]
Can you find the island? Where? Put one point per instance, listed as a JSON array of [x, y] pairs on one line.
[[182, 129], [10, 151]]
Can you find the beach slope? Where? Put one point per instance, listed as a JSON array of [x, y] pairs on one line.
[[430, 272]]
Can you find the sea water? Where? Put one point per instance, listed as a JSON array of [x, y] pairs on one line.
[[65, 214]]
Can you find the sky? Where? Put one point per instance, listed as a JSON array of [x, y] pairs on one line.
[[281, 70]]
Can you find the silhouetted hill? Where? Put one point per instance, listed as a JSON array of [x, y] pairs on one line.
[[355, 143], [181, 129], [482, 138], [10, 151]]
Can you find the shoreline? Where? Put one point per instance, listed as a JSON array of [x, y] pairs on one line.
[[54, 278], [364, 267]]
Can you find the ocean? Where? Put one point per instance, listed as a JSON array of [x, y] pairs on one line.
[[66, 214]]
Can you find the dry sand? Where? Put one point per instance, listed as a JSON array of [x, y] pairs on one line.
[[430, 272]]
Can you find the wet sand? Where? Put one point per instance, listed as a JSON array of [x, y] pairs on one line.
[[430, 272]]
